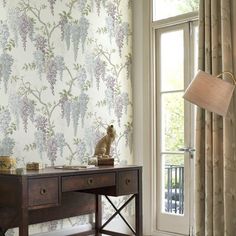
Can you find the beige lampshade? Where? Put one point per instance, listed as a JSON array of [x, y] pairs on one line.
[[210, 93]]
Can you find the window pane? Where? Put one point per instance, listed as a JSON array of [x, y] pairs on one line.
[[172, 117], [173, 184], [168, 8], [172, 60]]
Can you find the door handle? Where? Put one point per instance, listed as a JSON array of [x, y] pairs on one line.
[[190, 150]]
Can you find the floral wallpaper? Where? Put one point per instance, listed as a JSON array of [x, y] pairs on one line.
[[64, 76]]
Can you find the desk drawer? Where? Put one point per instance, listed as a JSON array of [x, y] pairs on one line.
[[128, 182], [82, 182], [43, 191]]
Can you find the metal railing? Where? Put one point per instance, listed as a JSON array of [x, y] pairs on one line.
[[174, 189]]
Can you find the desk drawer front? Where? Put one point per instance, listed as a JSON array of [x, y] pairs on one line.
[[82, 182], [43, 191], [128, 182]]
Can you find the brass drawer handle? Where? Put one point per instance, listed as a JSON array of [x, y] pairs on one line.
[[43, 191], [90, 181], [127, 181]]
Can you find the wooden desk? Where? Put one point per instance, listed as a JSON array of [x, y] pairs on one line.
[[50, 194]]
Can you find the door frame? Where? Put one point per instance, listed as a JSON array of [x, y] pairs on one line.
[[158, 225]]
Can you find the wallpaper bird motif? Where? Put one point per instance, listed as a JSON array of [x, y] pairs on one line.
[[64, 76]]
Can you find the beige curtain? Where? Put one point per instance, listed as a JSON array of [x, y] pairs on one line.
[[215, 162]]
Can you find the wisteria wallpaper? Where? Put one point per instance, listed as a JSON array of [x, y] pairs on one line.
[[64, 76]]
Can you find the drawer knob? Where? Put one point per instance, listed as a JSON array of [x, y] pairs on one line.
[[43, 191], [90, 181], [127, 181]]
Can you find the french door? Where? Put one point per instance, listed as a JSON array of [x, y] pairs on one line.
[[176, 63]]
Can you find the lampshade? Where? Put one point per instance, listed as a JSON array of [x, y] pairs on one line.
[[210, 92]]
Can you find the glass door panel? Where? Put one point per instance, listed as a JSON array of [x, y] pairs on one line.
[[173, 74], [172, 120], [172, 116], [173, 187], [172, 60]]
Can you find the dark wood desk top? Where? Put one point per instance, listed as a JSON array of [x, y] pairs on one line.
[[52, 170]]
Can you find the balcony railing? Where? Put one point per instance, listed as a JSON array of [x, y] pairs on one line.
[[174, 189]]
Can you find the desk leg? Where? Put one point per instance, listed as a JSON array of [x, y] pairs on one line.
[[98, 214], [23, 229], [23, 208], [139, 208]]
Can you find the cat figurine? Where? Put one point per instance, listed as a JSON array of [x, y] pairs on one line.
[[102, 149]]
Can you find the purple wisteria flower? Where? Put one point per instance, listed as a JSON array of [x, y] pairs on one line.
[[125, 99], [75, 112], [129, 136], [52, 149], [82, 77], [39, 59], [75, 36], [99, 70], [5, 120], [81, 5], [120, 36], [112, 10], [80, 150], [83, 105], [4, 34], [52, 3], [125, 26], [67, 34], [27, 107], [110, 82], [41, 123], [62, 101], [84, 26], [128, 65], [40, 43], [110, 24], [6, 146], [14, 105], [61, 142], [40, 141], [98, 6], [51, 73], [62, 22], [110, 91], [109, 98], [14, 19], [118, 108], [26, 28], [4, 3], [66, 110], [60, 64], [6, 62], [89, 62]]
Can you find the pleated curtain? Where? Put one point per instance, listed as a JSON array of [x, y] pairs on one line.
[[215, 160]]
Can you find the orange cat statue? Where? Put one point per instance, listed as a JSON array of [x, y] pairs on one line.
[[102, 149]]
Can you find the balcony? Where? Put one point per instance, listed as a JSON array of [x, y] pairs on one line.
[[174, 189]]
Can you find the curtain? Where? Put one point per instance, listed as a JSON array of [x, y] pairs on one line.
[[215, 162]]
